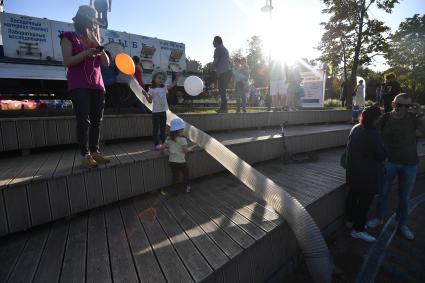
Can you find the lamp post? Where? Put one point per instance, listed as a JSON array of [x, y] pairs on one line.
[[268, 8]]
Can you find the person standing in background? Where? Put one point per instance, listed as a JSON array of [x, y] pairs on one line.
[[253, 97], [294, 80], [221, 64], [344, 92], [379, 94], [359, 97], [241, 76], [138, 73], [102, 7], [391, 90], [109, 75], [278, 85]]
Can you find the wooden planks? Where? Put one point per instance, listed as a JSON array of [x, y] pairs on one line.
[[74, 259], [98, 262], [142, 252], [49, 267], [27, 133], [26, 266], [10, 251], [122, 267], [168, 259]]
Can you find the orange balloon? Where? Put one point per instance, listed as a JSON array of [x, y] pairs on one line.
[[125, 64]]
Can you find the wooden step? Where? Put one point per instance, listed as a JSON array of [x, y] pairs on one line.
[[29, 133], [48, 186]]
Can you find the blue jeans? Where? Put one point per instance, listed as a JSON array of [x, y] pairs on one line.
[[406, 180]]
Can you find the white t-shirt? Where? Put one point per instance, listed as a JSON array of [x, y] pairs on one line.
[[159, 99], [359, 99]]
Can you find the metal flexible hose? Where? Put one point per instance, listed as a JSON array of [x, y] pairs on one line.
[[307, 233]]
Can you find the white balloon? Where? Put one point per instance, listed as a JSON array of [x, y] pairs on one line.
[[193, 85]]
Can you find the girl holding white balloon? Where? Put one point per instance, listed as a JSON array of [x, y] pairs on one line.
[[158, 94]]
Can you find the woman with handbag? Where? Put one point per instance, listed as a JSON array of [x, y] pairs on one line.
[[365, 170]]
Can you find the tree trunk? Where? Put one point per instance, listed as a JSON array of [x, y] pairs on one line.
[[344, 60], [353, 77]]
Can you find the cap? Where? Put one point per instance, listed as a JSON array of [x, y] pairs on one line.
[[177, 124], [87, 12]]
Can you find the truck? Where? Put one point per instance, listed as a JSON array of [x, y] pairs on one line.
[[31, 57]]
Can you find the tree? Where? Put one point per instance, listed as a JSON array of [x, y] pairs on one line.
[[193, 65], [256, 61], [352, 37], [237, 57], [406, 54]]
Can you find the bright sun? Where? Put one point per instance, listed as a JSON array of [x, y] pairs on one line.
[[286, 37]]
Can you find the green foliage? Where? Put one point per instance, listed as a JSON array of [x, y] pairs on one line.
[[407, 55], [352, 38], [257, 62], [369, 103], [332, 103], [193, 65]]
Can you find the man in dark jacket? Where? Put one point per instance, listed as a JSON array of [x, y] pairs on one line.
[[391, 90], [365, 170]]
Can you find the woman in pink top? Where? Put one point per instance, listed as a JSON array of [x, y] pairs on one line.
[[82, 55]]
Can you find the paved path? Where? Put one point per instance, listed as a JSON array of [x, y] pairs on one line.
[[404, 260]]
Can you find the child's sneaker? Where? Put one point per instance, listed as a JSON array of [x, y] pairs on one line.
[[158, 147], [89, 162], [188, 189], [99, 158]]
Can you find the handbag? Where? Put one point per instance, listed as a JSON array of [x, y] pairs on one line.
[[343, 160]]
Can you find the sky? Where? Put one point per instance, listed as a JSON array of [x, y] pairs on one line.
[[294, 31]]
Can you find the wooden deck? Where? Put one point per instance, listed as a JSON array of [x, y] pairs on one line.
[[48, 186], [29, 133], [221, 232]]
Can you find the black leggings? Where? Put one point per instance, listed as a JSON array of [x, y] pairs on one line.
[[88, 105], [177, 169], [358, 204], [159, 122]]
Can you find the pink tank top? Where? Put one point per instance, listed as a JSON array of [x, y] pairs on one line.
[[86, 74]]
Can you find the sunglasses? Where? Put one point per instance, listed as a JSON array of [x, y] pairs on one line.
[[399, 105]]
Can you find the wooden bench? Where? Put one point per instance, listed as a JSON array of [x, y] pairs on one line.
[[48, 186], [28, 133]]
